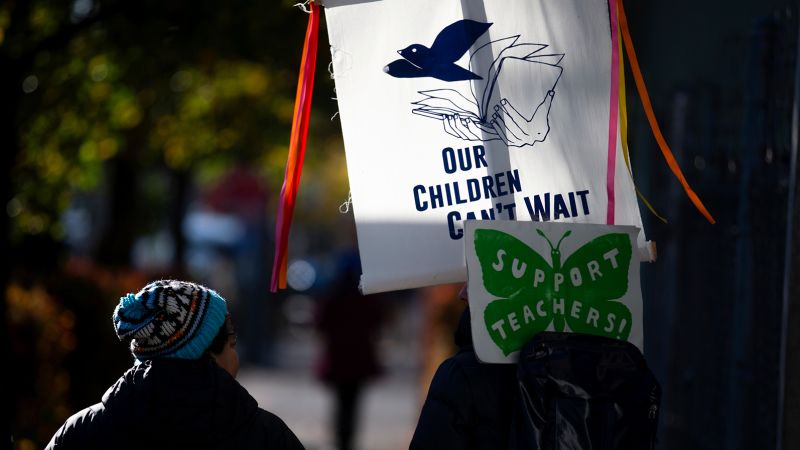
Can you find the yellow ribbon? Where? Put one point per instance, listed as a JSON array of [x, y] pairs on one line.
[[651, 117], [623, 130]]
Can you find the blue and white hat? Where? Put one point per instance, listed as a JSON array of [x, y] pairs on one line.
[[174, 319]]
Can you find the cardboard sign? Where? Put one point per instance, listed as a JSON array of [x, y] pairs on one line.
[[470, 109], [527, 277]]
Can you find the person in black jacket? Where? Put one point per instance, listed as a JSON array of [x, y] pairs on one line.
[[349, 357], [181, 391], [470, 405]]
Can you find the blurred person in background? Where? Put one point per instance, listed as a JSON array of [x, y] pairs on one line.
[[181, 391], [441, 309], [349, 324]]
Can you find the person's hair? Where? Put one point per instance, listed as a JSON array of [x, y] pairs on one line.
[[221, 339]]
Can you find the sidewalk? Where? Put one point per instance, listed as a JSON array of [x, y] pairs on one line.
[[388, 415]]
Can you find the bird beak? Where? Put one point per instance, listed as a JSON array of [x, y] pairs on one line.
[[399, 52]]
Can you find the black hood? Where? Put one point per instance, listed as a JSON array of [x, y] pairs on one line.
[[192, 401], [463, 334]]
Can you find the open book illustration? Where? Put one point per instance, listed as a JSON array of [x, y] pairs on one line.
[[512, 85]]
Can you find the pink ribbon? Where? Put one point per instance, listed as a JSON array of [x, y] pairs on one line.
[[613, 112]]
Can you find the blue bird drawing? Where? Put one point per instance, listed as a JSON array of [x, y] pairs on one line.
[[438, 61]]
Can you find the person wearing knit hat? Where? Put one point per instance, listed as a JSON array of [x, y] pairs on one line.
[[169, 318], [181, 391]]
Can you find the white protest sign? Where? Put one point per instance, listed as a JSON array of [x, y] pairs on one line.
[[470, 109], [527, 277]]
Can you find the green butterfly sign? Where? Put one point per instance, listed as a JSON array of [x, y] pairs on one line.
[[522, 291]]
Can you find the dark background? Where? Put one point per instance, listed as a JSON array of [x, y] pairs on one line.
[[148, 139], [722, 79]]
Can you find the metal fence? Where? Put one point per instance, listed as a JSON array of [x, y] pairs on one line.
[[713, 301]]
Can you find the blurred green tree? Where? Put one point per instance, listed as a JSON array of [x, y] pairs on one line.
[[100, 89], [99, 93]]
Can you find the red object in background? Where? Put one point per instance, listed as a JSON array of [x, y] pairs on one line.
[[239, 192], [297, 149]]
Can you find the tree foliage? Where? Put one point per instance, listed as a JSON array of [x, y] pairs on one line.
[[184, 85], [100, 95]]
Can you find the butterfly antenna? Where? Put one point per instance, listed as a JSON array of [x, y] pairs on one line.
[[562, 238], [541, 233]]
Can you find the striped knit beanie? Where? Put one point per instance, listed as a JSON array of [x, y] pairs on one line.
[[173, 319]]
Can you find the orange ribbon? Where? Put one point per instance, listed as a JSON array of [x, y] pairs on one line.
[[623, 131], [297, 150], [651, 117]]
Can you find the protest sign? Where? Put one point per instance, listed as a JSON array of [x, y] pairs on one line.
[[527, 277], [472, 109]]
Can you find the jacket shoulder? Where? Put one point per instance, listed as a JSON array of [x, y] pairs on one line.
[[80, 430], [468, 405], [269, 431], [447, 412]]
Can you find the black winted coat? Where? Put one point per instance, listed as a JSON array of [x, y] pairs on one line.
[[175, 404], [470, 405]]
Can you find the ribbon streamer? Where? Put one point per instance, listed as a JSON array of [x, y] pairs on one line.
[[651, 117], [613, 113], [297, 149], [623, 131]]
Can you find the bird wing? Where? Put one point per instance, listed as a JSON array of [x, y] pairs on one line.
[[455, 39]]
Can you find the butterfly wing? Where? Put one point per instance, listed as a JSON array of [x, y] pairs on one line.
[[514, 321], [502, 276], [595, 275], [610, 319], [522, 281]]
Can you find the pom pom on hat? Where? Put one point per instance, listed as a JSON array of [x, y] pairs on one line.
[[169, 318]]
